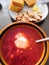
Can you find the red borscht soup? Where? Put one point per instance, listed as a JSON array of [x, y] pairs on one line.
[[19, 46]]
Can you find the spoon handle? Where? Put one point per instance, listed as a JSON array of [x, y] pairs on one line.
[[41, 40]]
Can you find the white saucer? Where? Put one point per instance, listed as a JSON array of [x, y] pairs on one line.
[[43, 7]]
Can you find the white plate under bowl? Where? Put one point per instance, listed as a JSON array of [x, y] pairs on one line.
[[43, 8]]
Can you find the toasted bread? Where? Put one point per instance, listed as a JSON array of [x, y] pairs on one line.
[[15, 8], [19, 3], [30, 2]]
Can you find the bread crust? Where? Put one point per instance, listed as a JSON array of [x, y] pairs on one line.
[[30, 2]]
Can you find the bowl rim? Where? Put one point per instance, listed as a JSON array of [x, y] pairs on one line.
[[39, 28]]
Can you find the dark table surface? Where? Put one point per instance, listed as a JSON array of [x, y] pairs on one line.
[[45, 27], [5, 20]]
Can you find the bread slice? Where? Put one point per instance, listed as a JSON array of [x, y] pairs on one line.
[[19, 3], [15, 8], [30, 2]]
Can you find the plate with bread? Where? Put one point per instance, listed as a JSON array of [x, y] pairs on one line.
[[28, 10]]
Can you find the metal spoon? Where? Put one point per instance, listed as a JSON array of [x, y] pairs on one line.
[[42, 40]]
